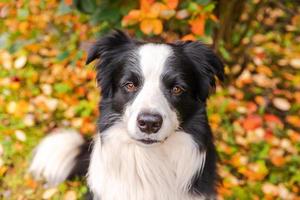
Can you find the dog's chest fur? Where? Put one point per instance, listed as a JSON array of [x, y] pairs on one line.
[[120, 169]]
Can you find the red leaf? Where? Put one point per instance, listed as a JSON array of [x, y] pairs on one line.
[[252, 122], [272, 118]]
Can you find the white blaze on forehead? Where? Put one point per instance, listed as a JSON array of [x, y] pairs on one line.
[[152, 60]]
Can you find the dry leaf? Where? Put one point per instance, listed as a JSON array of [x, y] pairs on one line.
[[295, 63], [281, 104], [70, 195], [20, 62], [20, 135], [49, 193], [182, 14]]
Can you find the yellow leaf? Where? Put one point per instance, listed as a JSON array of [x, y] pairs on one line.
[[149, 26], [146, 26], [157, 27]]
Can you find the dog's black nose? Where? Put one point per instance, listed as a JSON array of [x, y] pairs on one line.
[[149, 122]]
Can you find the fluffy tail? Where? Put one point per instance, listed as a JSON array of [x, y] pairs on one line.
[[60, 156]]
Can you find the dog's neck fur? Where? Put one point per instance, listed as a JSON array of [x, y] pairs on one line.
[[121, 169]]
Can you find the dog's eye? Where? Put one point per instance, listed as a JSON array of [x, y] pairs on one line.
[[177, 90], [130, 87]]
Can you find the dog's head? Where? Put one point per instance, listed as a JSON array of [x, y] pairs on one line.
[[154, 89]]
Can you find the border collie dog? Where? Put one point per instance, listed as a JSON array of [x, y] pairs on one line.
[[154, 140]]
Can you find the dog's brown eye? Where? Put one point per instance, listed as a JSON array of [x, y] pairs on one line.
[[130, 87], [177, 90]]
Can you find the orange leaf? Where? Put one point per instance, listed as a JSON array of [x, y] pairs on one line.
[[294, 120], [278, 161], [188, 37], [146, 26], [251, 107], [198, 25], [294, 136], [213, 17], [68, 2], [172, 3], [252, 122], [155, 10], [273, 119], [132, 18], [157, 27], [149, 26], [146, 4]]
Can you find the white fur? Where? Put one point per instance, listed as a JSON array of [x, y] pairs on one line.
[[152, 59], [122, 170], [54, 157]]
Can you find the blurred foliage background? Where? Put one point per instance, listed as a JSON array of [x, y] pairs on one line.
[[44, 84]]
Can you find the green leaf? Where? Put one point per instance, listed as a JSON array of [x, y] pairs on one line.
[[209, 8], [23, 13], [62, 88], [63, 56], [202, 2], [225, 53], [84, 108], [193, 7]]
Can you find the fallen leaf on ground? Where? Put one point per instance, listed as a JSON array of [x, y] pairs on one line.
[[281, 103]]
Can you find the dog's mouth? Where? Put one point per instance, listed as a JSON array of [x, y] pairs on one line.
[[149, 141]]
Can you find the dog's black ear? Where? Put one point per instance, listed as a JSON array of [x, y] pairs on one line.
[[108, 45], [207, 64], [112, 51]]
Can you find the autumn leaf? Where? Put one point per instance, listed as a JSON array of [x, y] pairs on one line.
[[155, 10], [188, 37], [273, 120], [281, 103], [252, 122], [68, 2], [294, 120], [149, 26], [146, 5], [172, 3], [198, 25], [131, 18], [278, 161]]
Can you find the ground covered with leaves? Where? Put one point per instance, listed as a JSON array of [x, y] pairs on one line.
[[44, 84]]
